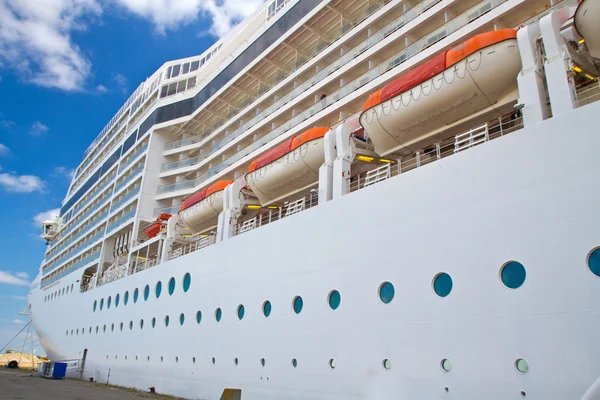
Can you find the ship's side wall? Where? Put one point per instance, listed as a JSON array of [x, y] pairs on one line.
[[531, 197]]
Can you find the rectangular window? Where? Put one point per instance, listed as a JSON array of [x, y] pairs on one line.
[[202, 62], [279, 3], [185, 68], [191, 82], [208, 56], [181, 86], [172, 89], [194, 66], [271, 9], [175, 71], [168, 74]]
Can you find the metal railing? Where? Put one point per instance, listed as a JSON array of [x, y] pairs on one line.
[[133, 157], [588, 92], [191, 247], [169, 210], [91, 225], [464, 141], [74, 250], [71, 268], [401, 57], [134, 192], [120, 221], [129, 178]]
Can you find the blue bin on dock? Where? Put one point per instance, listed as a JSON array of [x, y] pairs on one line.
[[59, 371]]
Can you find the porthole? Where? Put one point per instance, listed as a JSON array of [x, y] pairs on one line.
[[181, 318], [522, 365], [130, 325], [193, 360], [593, 261], [95, 305], [77, 332], [153, 322], [146, 292], [112, 327], [108, 301], [198, 317], [136, 294], [446, 365], [115, 357], [171, 286], [121, 326], [101, 304], [294, 362], [176, 359], [387, 364], [90, 330], [214, 360], [67, 333], [235, 361], [161, 359], [262, 362], [218, 314], [125, 298], [442, 284], [334, 299], [386, 292], [513, 274], [297, 304], [136, 358], [97, 329], [187, 281], [141, 324], [117, 298], [167, 320], [266, 308], [148, 358], [240, 312], [125, 358], [158, 289], [72, 330], [332, 363]]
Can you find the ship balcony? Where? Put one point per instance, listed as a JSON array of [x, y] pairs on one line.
[[87, 258]]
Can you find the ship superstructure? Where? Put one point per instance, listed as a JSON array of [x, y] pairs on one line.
[[305, 103]]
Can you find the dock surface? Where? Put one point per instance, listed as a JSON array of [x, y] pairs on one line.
[[20, 385]]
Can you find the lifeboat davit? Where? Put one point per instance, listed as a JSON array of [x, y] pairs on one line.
[[468, 80], [290, 167], [201, 209], [587, 23], [155, 228]]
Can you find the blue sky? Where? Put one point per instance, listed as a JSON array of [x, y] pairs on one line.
[[66, 66]]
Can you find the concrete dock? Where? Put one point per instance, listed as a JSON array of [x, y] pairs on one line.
[[20, 385]]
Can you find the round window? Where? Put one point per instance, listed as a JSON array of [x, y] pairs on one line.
[[158, 289], [167, 320], [240, 311], [146, 292], [101, 304], [198, 317], [181, 318], [446, 365], [187, 281], [442, 284], [141, 324], [125, 298], [334, 299], [522, 365], [513, 274], [294, 362], [108, 301], [386, 292], [593, 261], [153, 322], [266, 308], [171, 286], [387, 364], [136, 294], [297, 304], [331, 363], [218, 314], [95, 305], [117, 298]]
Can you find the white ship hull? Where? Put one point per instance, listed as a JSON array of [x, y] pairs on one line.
[[294, 172], [203, 214], [529, 196], [586, 22], [482, 83]]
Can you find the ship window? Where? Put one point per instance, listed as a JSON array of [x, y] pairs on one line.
[[334, 299], [194, 360], [167, 320], [101, 304], [236, 361], [181, 86], [175, 71], [103, 329], [153, 322], [130, 325], [387, 364], [386, 292], [136, 294], [158, 289], [141, 324], [198, 317], [185, 68], [125, 298], [214, 360], [446, 365], [181, 318], [90, 330], [194, 66], [171, 286], [262, 362], [146, 292], [294, 362], [442, 284], [108, 301], [97, 329], [522, 365], [121, 326], [187, 281], [594, 261], [513, 274], [168, 74], [267, 308], [163, 91], [176, 359], [297, 304], [112, 327], [95, 305], [117, 298], [240, 311], [191, 82], [218, 314], [332, 363], [67, 333], [172, 89]]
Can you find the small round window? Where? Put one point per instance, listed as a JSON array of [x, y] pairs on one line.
[[218, 314], [158, 289], [442, 284], [297, 304], [167, 320], [446, 365], [334, 299], [125, 298], [112, 327], [332, 363], [153, 322], [141, 324], [593, 261], [266, 308], [187, 281], [136, 294], [181, 318], [386, 292], [513, 274], [146, 292], [95, 305], [294, 362], [117, 298], [522, 365], [121, 326], [387, 364], [101, 304], [130, 325], [171, 286], [198, 317], [262, 362], [108, 302], [240, 312]]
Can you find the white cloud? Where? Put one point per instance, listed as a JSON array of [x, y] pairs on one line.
[[63, 172], [18, 297], [4, 150], [38, 129], [18, 321], [35, 40], [21, 183], [10, 279], [101, 89], [22, 275], [45, 216]]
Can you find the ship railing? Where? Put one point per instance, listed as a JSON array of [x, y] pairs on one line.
[[474, 137], [169, 210], [149, 263], [274, 213], [588, 92], [191, 247], [114, 272]]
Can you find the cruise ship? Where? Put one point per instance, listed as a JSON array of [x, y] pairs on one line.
[[344, 199]]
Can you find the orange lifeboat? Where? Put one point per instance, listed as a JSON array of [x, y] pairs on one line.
[[474, 78], [155, 228], [290, 167], [586, 19], [201, 209]]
